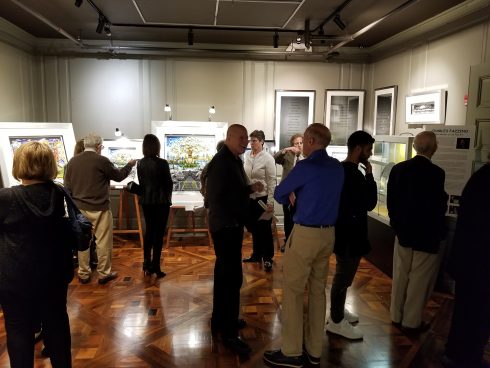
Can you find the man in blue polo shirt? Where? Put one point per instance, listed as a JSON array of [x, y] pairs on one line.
[[314, 185]]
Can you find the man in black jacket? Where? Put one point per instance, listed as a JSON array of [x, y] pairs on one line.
[[359, 195], [227, 192], [417, 205]]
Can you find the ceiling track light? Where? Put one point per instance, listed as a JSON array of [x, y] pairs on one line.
[[339, 22], [78, 3], [101, 24], [275, 40], [107, 29], [190, 37]]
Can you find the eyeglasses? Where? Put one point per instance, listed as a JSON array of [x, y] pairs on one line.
[[298, 143]]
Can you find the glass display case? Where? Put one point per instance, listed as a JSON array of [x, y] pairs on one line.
[[388, 150]]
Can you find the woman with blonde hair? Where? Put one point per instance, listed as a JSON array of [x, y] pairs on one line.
[[35, 259]]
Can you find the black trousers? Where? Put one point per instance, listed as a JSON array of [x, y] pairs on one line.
[[22, 316], [345, 271], [156, 216], [228, 279], [262, 240], [288, 211], [470, 327]]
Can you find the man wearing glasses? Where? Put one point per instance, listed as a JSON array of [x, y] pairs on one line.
[[88, 177]]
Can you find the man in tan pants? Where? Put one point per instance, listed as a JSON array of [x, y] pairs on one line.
[[314, 185], [87, 177], [416, 205]]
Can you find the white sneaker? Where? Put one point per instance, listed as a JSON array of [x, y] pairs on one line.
[[350, 317], [345, 329]]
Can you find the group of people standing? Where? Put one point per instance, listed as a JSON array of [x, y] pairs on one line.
[[325, 205]]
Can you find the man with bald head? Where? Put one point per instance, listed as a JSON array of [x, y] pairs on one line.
[[314, 186], [417, 204], [227, 193]]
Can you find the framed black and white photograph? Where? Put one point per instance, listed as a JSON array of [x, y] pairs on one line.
[[426, 108], [294, 111], [344, 113], [385, 110]]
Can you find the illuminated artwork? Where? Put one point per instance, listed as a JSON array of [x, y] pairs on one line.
[[55, 142], [187, 155]]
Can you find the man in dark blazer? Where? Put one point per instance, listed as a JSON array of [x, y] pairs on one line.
[[417, 205]]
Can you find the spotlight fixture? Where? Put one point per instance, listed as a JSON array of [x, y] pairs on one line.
[[275, 40], [78, 3], [101, 24], [190, 37], [168, 109], [211, 111], [118, 133], [107, 29], [339, 22]]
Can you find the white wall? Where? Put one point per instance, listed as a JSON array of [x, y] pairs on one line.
[[443, 63]]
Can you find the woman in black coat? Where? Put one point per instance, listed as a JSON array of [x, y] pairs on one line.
[[156, 199], [35, 259]]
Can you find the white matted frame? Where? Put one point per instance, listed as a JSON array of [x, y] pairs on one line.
[[119, 152], [385, 110], [188, 146], [426, 108], [344, 113], [14, 134], [294, 111]]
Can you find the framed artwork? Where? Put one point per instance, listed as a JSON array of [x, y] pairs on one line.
[[59, 136], [385, 110], [294, 111], [344, 113], [426, 108], [119, 152], [188, 146]]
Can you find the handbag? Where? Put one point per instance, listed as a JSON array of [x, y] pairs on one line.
[[133, 187], [79, 227]]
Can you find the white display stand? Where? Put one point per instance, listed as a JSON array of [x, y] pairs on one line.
[[120, 151], [59, 136]]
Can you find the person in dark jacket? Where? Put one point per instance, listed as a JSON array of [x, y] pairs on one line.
[[359, 195], [469, 265], [35, 264], [156, 199], [227, 191], [417, 204]]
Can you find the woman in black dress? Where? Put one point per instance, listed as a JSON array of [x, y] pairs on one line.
[[156, 199], [35, 258]]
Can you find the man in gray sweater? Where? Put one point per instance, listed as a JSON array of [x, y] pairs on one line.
[[88, 177]]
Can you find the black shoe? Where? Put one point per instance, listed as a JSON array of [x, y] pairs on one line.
[[241, 323], [236, 345], [159, 274], [44, 352], [110, 277], [268, 265], [275, 358], [252, 259], [310, 358], [424, 326], [397, 324], [84, 281]]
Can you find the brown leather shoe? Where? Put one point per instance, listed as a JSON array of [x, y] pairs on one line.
[[106, 279]]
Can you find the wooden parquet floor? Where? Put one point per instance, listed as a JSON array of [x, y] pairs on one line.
[[137, 321]]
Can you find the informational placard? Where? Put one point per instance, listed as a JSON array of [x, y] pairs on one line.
[[294, 112], [455, 156]]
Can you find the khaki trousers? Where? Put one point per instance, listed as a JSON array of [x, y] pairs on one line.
[[414, 277], [305, 263], [102, 224]]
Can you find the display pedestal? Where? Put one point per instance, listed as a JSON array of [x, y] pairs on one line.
[[124, 197], [188, 201]]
